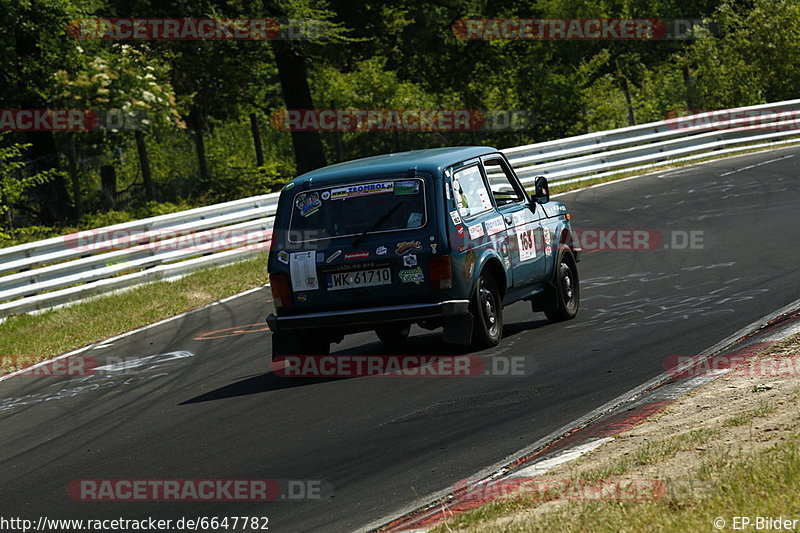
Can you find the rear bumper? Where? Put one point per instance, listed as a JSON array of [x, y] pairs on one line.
[[369, 316]]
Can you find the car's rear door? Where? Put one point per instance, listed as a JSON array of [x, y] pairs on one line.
[[478, 227], [366, 243]]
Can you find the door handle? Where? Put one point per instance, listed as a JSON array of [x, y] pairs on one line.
[[509, 220]]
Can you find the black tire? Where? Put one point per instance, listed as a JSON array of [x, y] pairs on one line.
[[567, 295], [486, 307], [393, 333]]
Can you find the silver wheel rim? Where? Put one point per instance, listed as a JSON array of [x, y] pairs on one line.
[[489, 309], [567, 285]]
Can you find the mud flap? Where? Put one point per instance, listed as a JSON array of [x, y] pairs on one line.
[[458, 329], [545, 300]]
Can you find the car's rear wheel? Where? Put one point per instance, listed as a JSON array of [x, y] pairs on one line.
[[393, 333], [567, 294], [487, 310]]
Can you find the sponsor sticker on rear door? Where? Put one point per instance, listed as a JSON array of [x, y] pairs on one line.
[[413, 275], [494, 225], [303, 270], [475, 231]]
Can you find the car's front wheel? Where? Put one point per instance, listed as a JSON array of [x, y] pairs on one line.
[[567, 293], [487, 310]]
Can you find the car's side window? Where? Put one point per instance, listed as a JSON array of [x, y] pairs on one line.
[[472, 196], [501, 183]]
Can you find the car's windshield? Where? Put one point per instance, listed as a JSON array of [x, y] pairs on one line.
[[351, 209]]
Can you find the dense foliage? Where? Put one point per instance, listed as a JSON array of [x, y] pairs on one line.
[[201, 114]]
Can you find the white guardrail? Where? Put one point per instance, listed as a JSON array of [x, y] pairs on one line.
[[64, 270]]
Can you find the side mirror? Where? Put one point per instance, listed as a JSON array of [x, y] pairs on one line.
[[541, 191]]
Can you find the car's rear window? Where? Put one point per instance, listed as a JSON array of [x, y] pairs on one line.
[[350, 209]]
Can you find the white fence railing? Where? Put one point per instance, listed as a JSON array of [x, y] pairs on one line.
[[63, 270]]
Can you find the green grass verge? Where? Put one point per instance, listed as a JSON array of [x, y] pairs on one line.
[[25, 339], [765, 483], [743, 418]]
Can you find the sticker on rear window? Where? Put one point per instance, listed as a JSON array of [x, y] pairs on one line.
[[406, 187], [363, 189], [307, 203]]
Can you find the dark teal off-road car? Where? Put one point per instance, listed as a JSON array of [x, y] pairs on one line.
[[441, 238]]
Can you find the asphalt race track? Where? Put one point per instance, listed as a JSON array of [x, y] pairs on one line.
[[212, 409]]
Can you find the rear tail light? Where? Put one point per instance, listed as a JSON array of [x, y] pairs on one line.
[[441, 272], [281, 294]]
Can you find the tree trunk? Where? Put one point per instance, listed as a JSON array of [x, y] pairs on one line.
[[108, 184], [257, 140], [626, 89], [54, 204], [52, 196], [396, 140], [337, 139], [200, 147], [72, 157], [144, 163], [691, 93], [9, 214], [308, 151]]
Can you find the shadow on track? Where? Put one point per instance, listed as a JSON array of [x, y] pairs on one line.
[[420, 345]]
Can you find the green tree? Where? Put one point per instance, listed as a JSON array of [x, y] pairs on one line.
[[754, 60], [15, 181], [134, 88]]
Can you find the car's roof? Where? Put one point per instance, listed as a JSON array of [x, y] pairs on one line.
[[433, 160]]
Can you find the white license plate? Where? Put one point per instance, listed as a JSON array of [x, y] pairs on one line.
[[359, 278]]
